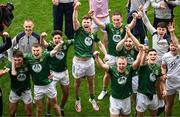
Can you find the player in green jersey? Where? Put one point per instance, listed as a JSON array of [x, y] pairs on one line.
[[83, 62], [115, 32], [121, 83], [20, 84], [149, 74], [39, 67], [58, 66]]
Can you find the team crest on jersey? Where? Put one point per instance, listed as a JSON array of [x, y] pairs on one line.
[[130, 60], [152, 77], [21, 77], [60, 55], [122, 80], [116, 38], [37, 68], [88, 41]]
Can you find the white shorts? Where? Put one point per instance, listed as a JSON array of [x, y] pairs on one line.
[[172, 87], [61, 77], [105, 20], [41, 91], [135, 80], [26, 97], [143, 102], [118, 106], [83, 68], [111, 60]]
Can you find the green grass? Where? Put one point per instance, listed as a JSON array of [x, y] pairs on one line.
[[40, 11]]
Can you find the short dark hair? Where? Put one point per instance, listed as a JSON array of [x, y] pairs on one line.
[[56, 32], [86, 17], [18, 53], [116, 13], [36, 45], [162, 25], [151, 50]]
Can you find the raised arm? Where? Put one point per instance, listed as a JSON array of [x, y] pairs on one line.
[[120, 44], [171, 29], [102, 48], [100, 62], [137, 62], [96, 20], [174, 2], [76, 23], [157, 5], [56, 49], [146, 21], [134, 39], [43, 42]]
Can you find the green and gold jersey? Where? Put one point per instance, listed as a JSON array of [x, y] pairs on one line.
[[148, 74], [58, 63], [83, 43], [39, 68], [21, 81], [114, 36], [121, 83]]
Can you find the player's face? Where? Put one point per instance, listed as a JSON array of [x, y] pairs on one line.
[[116, 19], [152, 57], [121, 65], [173, 48], [57, 39], [86, 24], [28, 27], [37, 52], [18, 61], [128, 43], [161, 31]]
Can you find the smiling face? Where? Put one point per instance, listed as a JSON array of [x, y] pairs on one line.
[[128, 44], [121, 64], [152, 57], [173, 48], [86, 23], [57, 39], [18, 61], [161, 31], [28, 27], [37, 52], [116, 19]]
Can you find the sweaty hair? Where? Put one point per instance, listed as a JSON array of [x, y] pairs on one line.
[[151, 50], [36, 45], [86, 17], [56, 32], [162, 25], [18, 53], [116, 13]]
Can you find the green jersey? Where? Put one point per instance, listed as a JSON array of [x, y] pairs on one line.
[[114, 36], [148, 75], [121, 83], [58, 63], [83, 43], [39, 68], [21, 81], [130, 54]]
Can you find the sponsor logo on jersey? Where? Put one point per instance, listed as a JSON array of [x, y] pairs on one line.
[[116, 38], [37, 67], [152, 77], [122, 80], [21, 77], [88, 41], [60, 55]]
